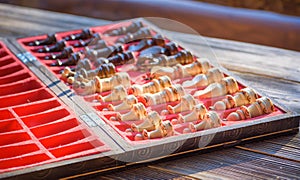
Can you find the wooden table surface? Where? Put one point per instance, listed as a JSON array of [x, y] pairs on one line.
[[274, 71]]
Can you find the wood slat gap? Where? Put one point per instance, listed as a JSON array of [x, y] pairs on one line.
[[172, 172], [264, 153]]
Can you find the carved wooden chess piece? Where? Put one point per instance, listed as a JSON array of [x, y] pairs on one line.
[[51, 39], [182, 57], [154, 86], [119, 59], [243, 97], [102, 71], [150, 123], [213, 75], [169, 49], [181, 71], [58, 46], [107, 84], [65, 53], [127, 104], [260, 107], [83, 86], [71, 61], [100, 44], [170, 94], [186, 103], [89, 42], [133, 27], [140, 34], [84, 34], [197, 113], [106, 52], [138, 112], [164, 130], [228, 85], [118, 93], [157, 40], [210, 120]]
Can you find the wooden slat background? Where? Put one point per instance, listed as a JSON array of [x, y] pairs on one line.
[[273, 71]]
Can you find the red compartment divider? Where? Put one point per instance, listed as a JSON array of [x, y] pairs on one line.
[[136, 77], [35, 126]]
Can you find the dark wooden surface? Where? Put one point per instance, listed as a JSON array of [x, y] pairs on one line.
[[273, 71], [241, 24]]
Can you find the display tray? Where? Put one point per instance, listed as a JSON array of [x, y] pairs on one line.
[[36, 127], [152, 95]]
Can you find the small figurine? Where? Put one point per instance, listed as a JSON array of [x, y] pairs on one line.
[[228, 85], [170, 94], [197, 113], [138, 112], [186, 103], [106, 52], [119, 59], [107, 84], [140, 34], [150, 123], [243, 97], [200, 66], [169, 49], [51, 39], [127, 104], [213, 75], [65, 53], [182, 57], [71, 61], [90, 42], [260, 107], [157, 40], [210, 120], [85, 34], [118, 93], [102, 71], [164, 130], [59, 46], [83, 86], [133, 27], [154, 86]]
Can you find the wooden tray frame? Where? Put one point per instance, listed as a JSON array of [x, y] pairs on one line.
[[125, 154]]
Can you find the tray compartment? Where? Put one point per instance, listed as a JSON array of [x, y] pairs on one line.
[[33, 121]]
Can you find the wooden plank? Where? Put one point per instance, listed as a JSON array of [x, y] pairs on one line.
[[290, 141], [143, 173], [234, 164], [274, 149], [19, 21]]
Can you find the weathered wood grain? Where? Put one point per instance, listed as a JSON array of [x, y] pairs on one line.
[[232, 164], [17, 21], [273, 71]]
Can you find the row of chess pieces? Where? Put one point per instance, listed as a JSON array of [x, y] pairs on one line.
[[96, 72]]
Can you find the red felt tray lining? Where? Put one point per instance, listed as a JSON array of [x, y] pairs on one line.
[[136, 78], [35, 126]]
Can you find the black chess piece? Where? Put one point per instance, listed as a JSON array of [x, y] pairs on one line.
[[85, 34], [137, 36], [168, 49], [157, 40], [51, 39], [106, 52], [135, 26], [71, 61], [65, 53], [59, 46], [92, 41]]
